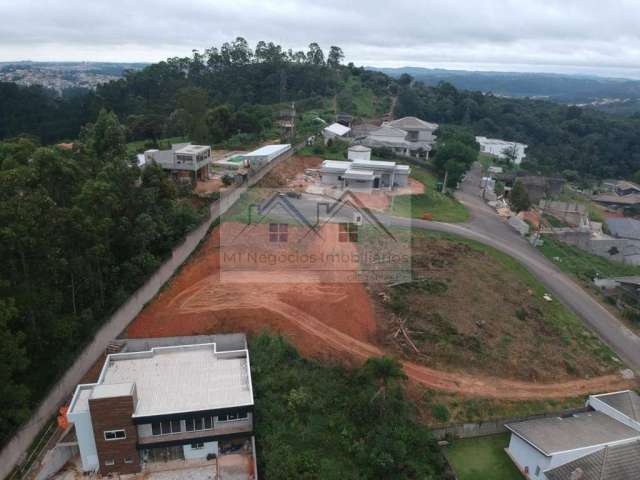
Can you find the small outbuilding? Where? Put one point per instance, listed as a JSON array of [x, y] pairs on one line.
[[335, 130]]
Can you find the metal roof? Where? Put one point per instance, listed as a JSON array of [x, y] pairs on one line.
[[413, 123], [555, 435], [268, 150]]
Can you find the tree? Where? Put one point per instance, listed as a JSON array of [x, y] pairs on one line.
[[510, 154], [336, 56], [194, 100], [315, 55], [386, 371], [520, 197]]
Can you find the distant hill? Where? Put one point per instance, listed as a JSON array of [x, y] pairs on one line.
[[610, 94]]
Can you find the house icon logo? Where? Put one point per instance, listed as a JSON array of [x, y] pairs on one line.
[[334, 239]]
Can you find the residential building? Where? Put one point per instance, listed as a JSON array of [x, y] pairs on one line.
[[604, 439], [359, 152], [335, 130], [624, 188], [180, 402], [408, 136], [264, 155], [498, 148], [184, 160], [364, 174]]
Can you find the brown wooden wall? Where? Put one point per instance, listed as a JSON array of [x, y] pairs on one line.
[[114, 414]]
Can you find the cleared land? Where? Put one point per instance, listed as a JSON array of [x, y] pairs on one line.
[[335, 320], [482, 458], [476, 310]]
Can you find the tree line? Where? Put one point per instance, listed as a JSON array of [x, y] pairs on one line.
[[80, 230], [560, 137]]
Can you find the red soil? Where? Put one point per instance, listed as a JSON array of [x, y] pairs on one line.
[[321, 318]]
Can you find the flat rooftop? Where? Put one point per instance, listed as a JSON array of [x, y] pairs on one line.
[[174, 379], [191, 149], [269, 150], [554, 435]]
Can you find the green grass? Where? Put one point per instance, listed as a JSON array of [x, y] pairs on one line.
[[443, 207], [582, 264], [482, 458]]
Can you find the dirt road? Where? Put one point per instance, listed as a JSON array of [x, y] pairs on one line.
[[319, 317]]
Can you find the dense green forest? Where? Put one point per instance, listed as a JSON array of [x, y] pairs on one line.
[[318, 421], [79, 232]]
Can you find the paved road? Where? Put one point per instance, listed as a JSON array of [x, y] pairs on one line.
[[487, 227]]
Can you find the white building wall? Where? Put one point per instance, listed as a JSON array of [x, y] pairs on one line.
[[524, 455], [191, 453], [331, 179], [402, 180], [357, 155], [86, 440]]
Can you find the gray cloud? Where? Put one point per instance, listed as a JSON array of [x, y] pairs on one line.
[[545, 35]]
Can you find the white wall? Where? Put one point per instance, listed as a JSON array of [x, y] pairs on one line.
[[86, 440], [356, 155], [526, 456], [331, 179], [191, 454]]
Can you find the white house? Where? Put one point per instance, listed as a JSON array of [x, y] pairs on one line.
[[263, 155], [364, 174], [335, 130], [184, 159], [407, 136], [571, 447], [359, 152], [497, 147], [168, 403]]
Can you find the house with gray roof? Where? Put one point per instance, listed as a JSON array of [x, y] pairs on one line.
[[617, 462], [603, 439], [407, 136]]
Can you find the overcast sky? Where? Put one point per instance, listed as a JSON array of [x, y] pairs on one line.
[[574, 36]]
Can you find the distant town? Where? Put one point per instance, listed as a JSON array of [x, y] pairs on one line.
[[60, 76]]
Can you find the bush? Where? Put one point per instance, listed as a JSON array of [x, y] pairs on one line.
[[440, 412]]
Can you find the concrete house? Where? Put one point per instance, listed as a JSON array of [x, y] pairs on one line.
[[185, 402], [184, 160], [408, 136], [264, 155], [335, 130], [570, 448], [496, 148], [364, 174]]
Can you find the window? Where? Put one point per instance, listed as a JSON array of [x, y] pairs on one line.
[[537, 470], [197, 446], [109, 462], [347, 232], [229, 417], [115, 435], [197, 424], [128, 460], [278, 232], [165, 427]]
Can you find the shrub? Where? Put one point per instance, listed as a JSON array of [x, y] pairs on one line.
[[440, 412]]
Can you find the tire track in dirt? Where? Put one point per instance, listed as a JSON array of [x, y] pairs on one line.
[[211, 295]]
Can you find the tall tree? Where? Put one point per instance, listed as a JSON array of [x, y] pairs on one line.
[[520, 197]]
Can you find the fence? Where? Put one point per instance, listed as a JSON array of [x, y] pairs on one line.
[[14, 452], [492, 427]]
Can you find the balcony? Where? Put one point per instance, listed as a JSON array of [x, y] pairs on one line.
[[220, 428]]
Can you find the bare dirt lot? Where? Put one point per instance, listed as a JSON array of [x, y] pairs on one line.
[[339, 320]]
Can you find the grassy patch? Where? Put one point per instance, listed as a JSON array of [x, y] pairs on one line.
[[482, 458], [584, 265], [443, 208]]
